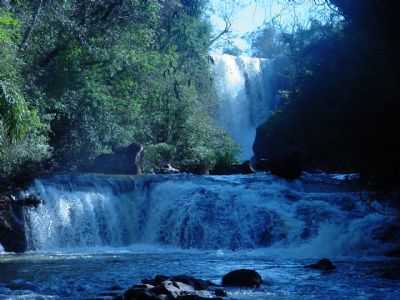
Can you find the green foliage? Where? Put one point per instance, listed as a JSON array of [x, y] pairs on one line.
[[22, 134], [158, 155], [226, 154], [99, 74], [9, 28]]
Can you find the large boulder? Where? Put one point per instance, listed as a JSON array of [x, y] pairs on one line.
[[242, 278], [123, 160]]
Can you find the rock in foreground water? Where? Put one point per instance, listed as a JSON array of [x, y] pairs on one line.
[[323, 265], [242, 278], [162, 287]]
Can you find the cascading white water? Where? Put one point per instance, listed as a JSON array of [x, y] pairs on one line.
[[239, 212], [245, 97]]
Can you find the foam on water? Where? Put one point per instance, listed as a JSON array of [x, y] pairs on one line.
[[229, 213]]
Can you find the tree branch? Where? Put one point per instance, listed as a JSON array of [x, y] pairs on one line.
[[30, 29], [226, 30]]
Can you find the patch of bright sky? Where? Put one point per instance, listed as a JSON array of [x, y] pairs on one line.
[[247, 16]]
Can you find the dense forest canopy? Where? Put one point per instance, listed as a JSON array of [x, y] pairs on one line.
[[81, 77]]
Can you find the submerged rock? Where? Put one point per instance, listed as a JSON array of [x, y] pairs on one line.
[[323, 265], [242, 278]]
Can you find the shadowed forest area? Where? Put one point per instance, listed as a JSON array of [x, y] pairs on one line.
[[339, 88]]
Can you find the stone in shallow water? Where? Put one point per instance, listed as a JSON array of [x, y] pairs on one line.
[[323, 265], [220, 293], [181, 287], [242, 278]]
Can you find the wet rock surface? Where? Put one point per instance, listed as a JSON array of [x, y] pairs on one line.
[[12, 223], [323, 265], [242, 278], [184, 287], [181, 287]]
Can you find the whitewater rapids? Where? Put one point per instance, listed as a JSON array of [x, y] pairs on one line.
[[312, 217]]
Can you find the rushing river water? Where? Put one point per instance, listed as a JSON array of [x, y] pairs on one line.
[[95, 235], [87, 276]]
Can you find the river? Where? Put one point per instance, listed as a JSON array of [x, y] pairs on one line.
[[94, 234]]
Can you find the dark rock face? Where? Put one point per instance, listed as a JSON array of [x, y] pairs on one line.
[[323, 265], [162, 287], [12, 226], [244, 168], [124, 160], [288, 167], [281, 159], [242, 278]]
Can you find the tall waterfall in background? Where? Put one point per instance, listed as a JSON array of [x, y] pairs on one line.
[[245, 97]]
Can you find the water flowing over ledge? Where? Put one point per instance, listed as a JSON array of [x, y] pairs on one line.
[[246, 97], [312, 217]]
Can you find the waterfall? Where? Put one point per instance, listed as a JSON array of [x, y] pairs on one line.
[[236, 212], [246, 97]]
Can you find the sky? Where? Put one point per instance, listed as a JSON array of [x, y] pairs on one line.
[[248, 15]]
